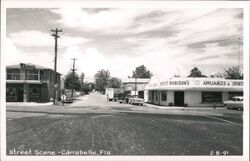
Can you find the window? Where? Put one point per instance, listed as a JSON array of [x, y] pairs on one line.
[[163, 95], [34, 94], [151, 95], [13, 74], [32, 75], [209, 97]]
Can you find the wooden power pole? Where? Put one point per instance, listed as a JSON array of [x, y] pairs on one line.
[[55, 35], [73, 79]]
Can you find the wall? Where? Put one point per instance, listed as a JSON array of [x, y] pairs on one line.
[[192, 98]]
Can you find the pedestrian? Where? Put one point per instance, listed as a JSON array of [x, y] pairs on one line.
[[214, 106], [63, 97]]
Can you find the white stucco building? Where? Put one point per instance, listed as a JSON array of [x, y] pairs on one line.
[[197, 92]]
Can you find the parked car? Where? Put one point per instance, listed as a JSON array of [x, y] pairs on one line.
[[235, 103], [136, 100]]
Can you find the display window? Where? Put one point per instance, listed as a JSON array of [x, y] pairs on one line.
[[210, 97]]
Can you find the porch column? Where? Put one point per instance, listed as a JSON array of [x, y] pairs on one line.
[[25, 92]]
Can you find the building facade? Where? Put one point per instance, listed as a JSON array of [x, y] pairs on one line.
[[195, 92], [31, 83], [135, 86]]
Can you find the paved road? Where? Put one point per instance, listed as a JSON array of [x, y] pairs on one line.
[[92, 123]]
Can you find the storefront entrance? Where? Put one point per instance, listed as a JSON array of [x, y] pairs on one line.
[[179, 98], [14, 93]]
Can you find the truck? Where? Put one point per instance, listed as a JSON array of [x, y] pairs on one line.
[[235, 103], [113, 93]]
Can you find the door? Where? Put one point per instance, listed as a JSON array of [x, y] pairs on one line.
[[179, 98], [19, 94]]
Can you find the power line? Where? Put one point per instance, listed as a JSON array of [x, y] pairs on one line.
[[34, 13], [43, 18]]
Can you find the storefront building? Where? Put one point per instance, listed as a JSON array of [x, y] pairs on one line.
[[30, 83], [195, 92], [135, 86]]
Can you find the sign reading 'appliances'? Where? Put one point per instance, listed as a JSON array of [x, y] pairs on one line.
[[223, 83]]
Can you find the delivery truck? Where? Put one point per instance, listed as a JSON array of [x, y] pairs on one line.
[[113, 93]]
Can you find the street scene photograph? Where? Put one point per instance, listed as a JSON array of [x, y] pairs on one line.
[[124, 81]]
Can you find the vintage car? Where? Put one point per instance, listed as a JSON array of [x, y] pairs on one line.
[[136, 100], [235, 103]]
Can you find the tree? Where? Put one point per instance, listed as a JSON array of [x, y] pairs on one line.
[[101, 80], [233, 73], [142, 72], [195, 72], [87, 87], [115, 82], [218, 75], [71, 81]]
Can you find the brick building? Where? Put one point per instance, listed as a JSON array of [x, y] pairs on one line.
[[31, 83]]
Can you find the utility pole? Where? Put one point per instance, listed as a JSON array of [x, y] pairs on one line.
[[55, 35], [135, 84], [73, 79], [239, 55]]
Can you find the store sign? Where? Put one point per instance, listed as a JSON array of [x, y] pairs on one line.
[[223, 83], [185, 82]]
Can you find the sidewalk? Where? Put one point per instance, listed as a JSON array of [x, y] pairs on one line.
[[178, 107], [28, 104]]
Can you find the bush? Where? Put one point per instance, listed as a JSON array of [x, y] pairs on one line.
[[170, 104]]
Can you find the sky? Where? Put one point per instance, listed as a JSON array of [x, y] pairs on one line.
[[168, 41]]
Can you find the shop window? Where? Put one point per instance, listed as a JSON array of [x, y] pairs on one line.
[[11, 94], [164, 96], [151, 95], [210, 97], [34, 94]]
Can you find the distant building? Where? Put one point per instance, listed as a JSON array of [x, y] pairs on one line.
[[192, 91], [134, 86], [31, 83]]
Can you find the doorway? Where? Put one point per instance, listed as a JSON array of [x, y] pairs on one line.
[[19, 94], [179, 98]]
